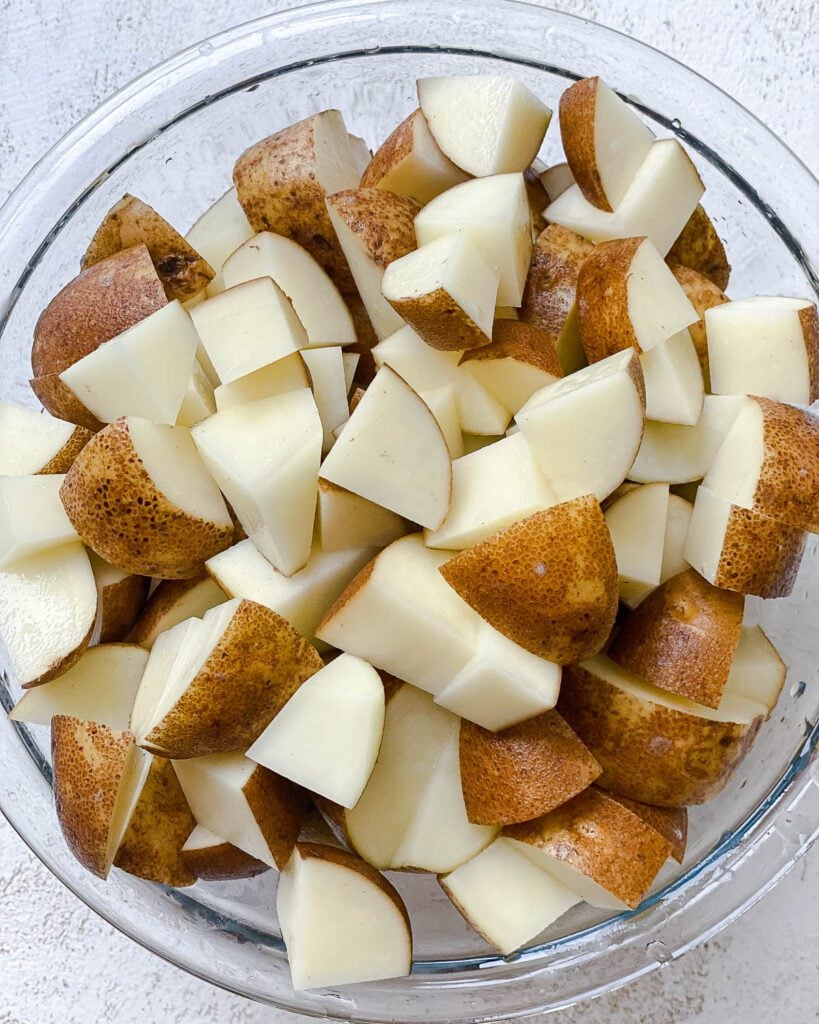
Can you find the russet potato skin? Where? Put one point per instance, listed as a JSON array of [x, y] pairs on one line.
[[551, 285], [121, 604], [603, 839], [522, 772], [699, 247], [384, 221], [577, 105], [537, 196], [670, 822], [760, 555], [102, 301], [182, 271], [702, 294], [549, 582], [602, 299], [255, 668], [221, 863], [440, 321], [648, 752], [64, 459], [88, 760], [809, 321], [163, 599], [58, 399], [683, 637], [515, 339], [279, 807], [118, 512]]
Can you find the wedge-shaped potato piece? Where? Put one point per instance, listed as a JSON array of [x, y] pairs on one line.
[[48, 606], [393, 452], [211, 859], [765, 346], [522, 772], [283, 180], [132, 465], [199, 401], [605, 141], [637, 524], [757, 671], [129, 222], [143, 372], [584, 430], [769, 462], [157, 829], [680, 454], [699, 247], [657, 204], [99, 688], [98, 304], [265, 456], [596, 847], [628, 296], [556, 179], [172, 602], [485, 124], [374, 228], [231, 673], [670, 822], [348, 522], [411, 813], [492, 488], [520, 360], [33, 442], [682, 638], [494, 214], [255, 810], [341, 921], [326, 737], [675, 392], [411, 163], [549, 583], [329, 384], [653, 745], [304, 597], [98, 775], [121, 596], [550, 296], [446, 292], [221, 229], [246, 327], [505, 896], [316, 300], [32, 518], [741, 549], [443, 405], [279, 378]]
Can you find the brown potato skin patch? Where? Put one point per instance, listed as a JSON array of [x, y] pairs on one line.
[[538, 198], [760, 555], [440, 321], [699, 247], [603, 839], [648, 752], [551, 285], [602, 299], [222, 863], [670, 822], [522, 772], [525, 342], [577, 112], [121, 604], [549, 582], [809, 321], [280, 808], [384, 221], [64, 459], [58, 399], [683, 637]]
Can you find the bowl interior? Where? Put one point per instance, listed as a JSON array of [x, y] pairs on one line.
[[176, 151]]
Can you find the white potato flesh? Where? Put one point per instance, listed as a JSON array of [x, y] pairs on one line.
[[405, 618], [512, 381], [734, 471], [584, 430], [662, 196], [32, 517], [637, 524], [451, 264], [316, 300], [492, 488], [48, 606], [680, 454], [569, 877], [506, 897], [676, 531], [29, 440], [329, 384], [760, 346], [303, 598], [172, 462], [350, 361], [265, 456], [287, 374], [485, 124], [502, 684], [673, 377], [337, 153], [757, 672], [198, 402], [494, 214], [556, 179], [444, 407], [658, 308], [220, 231], [101, 687], [213, 786], [326, 737], [145, 371], [247, 327], [621, 143], [339, 926], [192, 603], [393, 452], [348, 522]]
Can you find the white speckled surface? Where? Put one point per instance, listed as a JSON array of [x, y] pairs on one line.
[[59, 963]]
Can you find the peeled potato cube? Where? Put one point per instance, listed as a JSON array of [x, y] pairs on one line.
[[32, 517], [221, 229], [637, 524], [198, 401], [673, 379], [757, 671], [329, 384], [33, 442], [486, 124], [286, 374]]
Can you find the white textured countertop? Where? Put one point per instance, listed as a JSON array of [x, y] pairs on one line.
[[59, 963]]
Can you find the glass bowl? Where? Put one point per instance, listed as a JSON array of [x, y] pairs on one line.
[[171, 137]]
